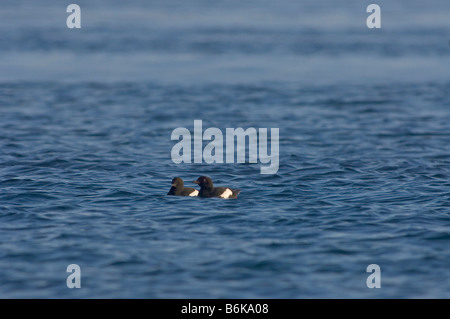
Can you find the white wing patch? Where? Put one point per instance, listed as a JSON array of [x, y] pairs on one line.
[[227, 193], [194, 193]]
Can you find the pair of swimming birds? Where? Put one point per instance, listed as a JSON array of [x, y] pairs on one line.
[[207, 189]]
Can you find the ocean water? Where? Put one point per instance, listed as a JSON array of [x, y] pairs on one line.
[[86, 117]]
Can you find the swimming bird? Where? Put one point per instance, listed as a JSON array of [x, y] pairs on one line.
[[178, 188], [207, 189]]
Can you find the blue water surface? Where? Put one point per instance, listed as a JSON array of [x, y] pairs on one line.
[[86, 118]]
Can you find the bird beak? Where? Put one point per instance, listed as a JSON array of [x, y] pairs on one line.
[[196, 182], [173, 185]]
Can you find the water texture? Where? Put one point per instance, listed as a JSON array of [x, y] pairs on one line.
[[86, 118]]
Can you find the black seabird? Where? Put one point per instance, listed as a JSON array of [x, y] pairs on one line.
[[178, 188], [207, 189]]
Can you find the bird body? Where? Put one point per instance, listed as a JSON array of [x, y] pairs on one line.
[[178, 188], [207, 189]]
